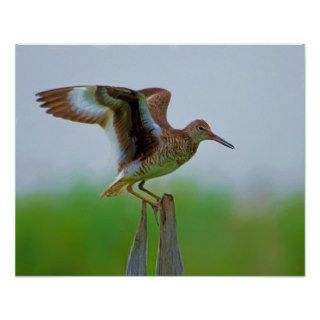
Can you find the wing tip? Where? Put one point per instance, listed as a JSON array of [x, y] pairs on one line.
[[47, 93]]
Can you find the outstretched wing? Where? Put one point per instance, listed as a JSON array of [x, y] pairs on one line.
[[158, 100], [123, 113]]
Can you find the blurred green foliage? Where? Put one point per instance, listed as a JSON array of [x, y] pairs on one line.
[[74, 232]]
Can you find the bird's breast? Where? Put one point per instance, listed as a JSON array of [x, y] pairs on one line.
[[166, 158]]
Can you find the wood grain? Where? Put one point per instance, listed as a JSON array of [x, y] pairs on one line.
[[137, 261], [169, 261]]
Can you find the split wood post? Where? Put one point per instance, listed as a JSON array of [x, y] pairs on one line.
[[137, 262], [169, 260]]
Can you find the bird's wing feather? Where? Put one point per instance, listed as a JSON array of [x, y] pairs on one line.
[[79, 104], [158, 101], [122, 112]]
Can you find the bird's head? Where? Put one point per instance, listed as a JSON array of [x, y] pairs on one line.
[[199, 131]]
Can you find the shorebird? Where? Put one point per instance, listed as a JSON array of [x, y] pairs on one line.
[[136, 122]]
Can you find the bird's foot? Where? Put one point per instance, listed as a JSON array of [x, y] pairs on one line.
[[157, 205]]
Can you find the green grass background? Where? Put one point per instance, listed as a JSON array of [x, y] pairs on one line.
[[74, 232]]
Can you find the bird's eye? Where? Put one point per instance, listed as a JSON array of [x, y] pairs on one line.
[[200, 128]]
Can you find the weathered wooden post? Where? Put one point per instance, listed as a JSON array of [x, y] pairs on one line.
[[137, 262], [169, 260]]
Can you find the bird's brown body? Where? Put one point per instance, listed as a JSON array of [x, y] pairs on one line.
[[147, 146], [175, 148]]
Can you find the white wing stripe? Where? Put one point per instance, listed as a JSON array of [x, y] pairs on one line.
[[83, 101], [110, 131]]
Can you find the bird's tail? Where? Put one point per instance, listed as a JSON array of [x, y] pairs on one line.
[[116, 188]]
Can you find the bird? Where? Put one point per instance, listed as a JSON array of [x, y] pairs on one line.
[[146, 145]]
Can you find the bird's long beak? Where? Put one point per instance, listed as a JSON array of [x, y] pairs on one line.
[[214, 137]]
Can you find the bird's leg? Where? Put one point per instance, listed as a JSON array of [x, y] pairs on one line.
[[130, 190], [140, 186], [154, 206], [154, 211]]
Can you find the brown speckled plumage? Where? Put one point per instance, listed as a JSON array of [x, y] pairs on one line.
[[136, 121]]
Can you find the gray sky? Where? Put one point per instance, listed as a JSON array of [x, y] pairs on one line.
[[252, 96]]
